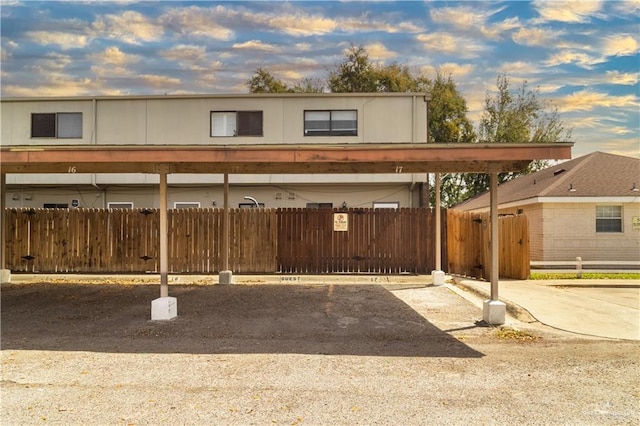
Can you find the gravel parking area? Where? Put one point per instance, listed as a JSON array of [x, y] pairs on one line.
[[297, 354]]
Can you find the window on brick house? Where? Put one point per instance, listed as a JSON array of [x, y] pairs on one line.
[[608, 218]]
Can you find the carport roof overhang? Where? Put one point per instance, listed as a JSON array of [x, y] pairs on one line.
[[280, 159]]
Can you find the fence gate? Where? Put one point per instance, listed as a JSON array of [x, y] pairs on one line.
[[469, 249], [382, 241]]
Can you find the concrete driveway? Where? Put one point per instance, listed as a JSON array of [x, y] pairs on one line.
[[600, 308]]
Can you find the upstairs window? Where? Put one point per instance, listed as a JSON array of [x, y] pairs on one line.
[[608, 218], [236, 123], [331, 123], [62, 125]]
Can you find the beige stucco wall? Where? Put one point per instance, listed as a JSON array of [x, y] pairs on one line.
[[397, 118], [16, 122], [273, 196]]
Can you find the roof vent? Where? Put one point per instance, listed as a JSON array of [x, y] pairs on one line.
[[557, 172]]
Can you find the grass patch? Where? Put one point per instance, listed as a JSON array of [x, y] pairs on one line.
[[585, 275], [506, 333]]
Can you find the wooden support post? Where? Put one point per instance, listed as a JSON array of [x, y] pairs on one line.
[[495, 261], [438, 225], [494, 311], [225, 276], [3, 195], [164, 240], [225, 226]]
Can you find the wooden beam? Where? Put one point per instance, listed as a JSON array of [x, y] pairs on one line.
[[417, 158]]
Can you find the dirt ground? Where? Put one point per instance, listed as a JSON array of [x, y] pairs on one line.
[[297, 354]]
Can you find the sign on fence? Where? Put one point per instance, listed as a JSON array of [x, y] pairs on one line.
[[341, 222]]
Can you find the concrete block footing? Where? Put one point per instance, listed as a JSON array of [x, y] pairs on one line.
[[226, 277], [5, 276], [164, 308], [437, 277], [494, 312]]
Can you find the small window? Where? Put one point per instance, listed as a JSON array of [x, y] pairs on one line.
[[386, 205], [250, 205], [331, 123], [608, 218], [236, 123], [55, 206], [319, 205], [186, 205], [120, 205], [63, 125]]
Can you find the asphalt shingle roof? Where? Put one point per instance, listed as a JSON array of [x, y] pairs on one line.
[[594, 175]]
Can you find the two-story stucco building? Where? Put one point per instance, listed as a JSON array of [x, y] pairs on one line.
[[272, 120]]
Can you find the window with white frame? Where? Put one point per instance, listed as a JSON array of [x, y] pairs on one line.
[[236, 123], [120, 205], [386, 205], [63, 125], [608, 218], [186, 205], [331, 123]]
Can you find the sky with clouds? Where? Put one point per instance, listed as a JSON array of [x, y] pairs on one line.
[[583, 56]]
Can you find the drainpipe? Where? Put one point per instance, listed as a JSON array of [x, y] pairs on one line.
[[94, 141]]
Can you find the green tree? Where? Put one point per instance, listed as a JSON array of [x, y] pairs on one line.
[[354, 74], [516, 116], [309, 85], [264, 82], [448, 122]]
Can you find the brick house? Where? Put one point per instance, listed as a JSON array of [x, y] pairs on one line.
[[587, 207]]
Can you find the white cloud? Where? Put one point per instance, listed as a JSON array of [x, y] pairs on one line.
[[378, 51], [64, 40], [160, 81], [626, 8], [112, 62], [199, 22], [621, 45], [299, 24], [129, 27], [473, 19], [303, 47], [625, 79], [113, 56], [572, 11], [450, 44], [255, 45], [536, 36], [586, 100], [57, 85], [182, 52], [518, 68], [580, 59]]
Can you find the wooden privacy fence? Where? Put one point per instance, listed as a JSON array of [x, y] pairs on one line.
[[127, 240], [387, 241], [301, 241], [469, 249]]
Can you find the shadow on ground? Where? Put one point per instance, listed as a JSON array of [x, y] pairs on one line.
[[328, 319]]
